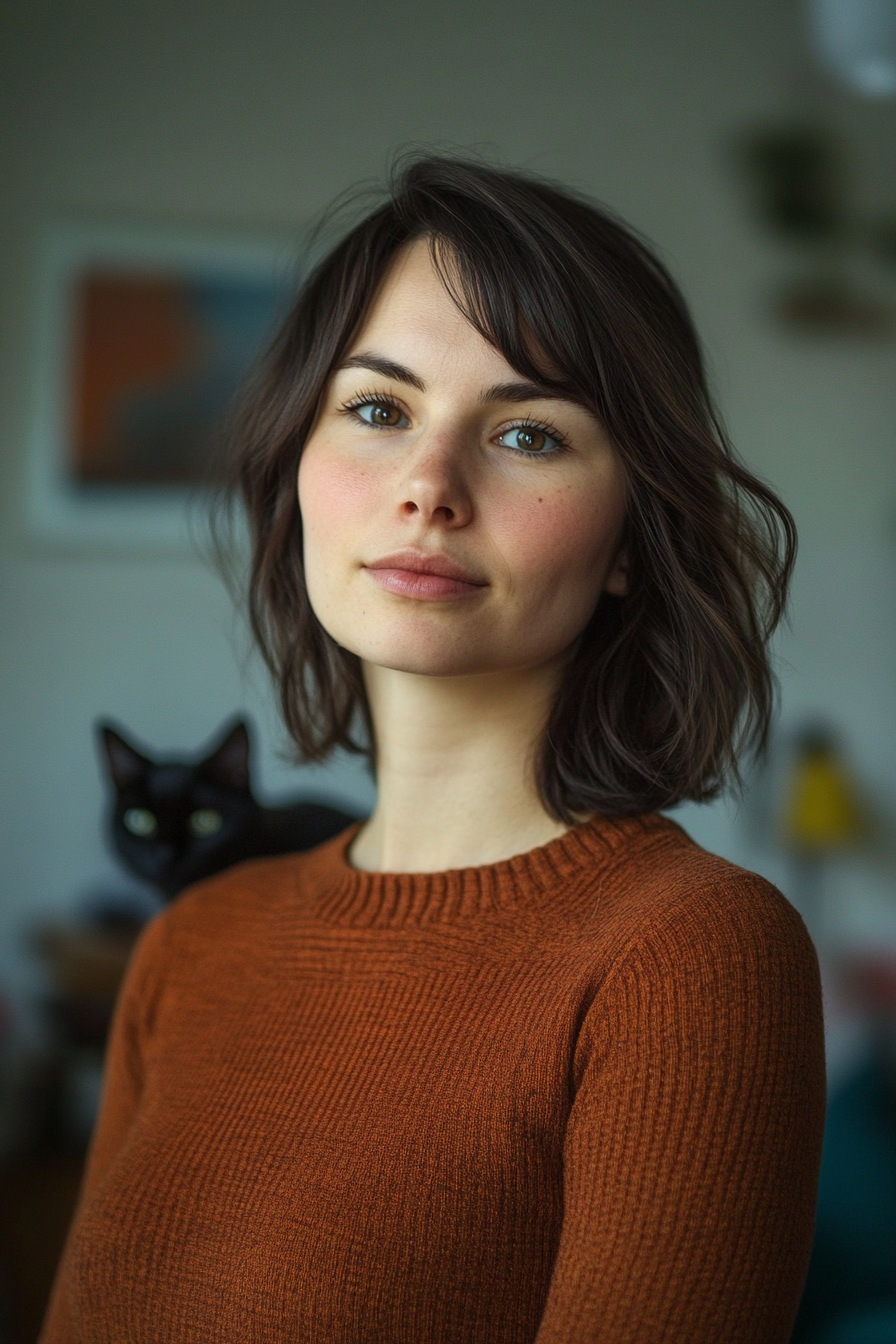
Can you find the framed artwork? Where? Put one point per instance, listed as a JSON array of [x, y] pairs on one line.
[[143, 335]]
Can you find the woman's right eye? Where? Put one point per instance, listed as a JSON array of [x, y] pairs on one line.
[[381, 415]]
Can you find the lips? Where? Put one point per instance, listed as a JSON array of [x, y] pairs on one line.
[[416, 562], [418, 575]]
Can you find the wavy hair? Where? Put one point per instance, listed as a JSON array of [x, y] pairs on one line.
[[666, 686]]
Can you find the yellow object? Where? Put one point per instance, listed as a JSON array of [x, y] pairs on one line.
[[822, 811]]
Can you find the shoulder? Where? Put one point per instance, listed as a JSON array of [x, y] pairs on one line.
[[676, 934], [703, 964], [235, 910], [664, 890], [689, 938]]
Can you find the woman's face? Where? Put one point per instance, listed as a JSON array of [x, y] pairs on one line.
[[457, 519]]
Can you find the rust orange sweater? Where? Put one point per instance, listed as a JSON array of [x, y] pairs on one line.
[[576, 1097]]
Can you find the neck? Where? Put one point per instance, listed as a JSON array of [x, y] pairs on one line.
[[455, 770]]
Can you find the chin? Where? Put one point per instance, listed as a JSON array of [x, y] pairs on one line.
[[420, 649], [451, 658], [425, 661], [426, 644]]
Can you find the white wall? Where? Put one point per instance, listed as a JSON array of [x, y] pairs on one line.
[[254, 115]]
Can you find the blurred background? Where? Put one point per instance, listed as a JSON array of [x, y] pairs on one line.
[[161, 166]]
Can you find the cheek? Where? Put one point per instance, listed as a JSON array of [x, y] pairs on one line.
[[334, 493], [327, 502], [334, 501], [566, 540]]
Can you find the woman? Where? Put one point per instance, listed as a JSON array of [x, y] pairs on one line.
[[514, 1060]]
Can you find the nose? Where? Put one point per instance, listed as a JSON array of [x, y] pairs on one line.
[[435, 485]]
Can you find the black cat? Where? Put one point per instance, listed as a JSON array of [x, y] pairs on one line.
[[177, 820]]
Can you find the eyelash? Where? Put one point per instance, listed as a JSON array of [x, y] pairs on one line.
[[543, 428], [385, 399], [367, 399]]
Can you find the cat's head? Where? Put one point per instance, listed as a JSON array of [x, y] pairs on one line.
[[175, 820]]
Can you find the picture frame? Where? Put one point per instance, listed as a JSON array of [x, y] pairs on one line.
[[143, 332]]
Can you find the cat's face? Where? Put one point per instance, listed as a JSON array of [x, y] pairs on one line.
[[174, 820]]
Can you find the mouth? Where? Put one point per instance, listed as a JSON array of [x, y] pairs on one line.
[[418, 575]]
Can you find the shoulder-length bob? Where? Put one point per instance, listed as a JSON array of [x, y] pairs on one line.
[[667, 685]]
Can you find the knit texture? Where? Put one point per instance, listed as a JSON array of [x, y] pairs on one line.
[[576, 1097]]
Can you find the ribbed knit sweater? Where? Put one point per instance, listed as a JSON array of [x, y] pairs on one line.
[[575, 1097]]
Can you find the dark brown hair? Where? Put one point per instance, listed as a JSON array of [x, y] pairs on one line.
[[666, 685]]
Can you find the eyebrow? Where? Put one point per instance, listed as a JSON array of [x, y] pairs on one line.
[[387, 368], [520, 392]]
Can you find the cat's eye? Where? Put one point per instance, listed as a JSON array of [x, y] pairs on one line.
[[140, 821], [206, 821]]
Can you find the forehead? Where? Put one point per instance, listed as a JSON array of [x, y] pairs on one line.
[[413, 319]]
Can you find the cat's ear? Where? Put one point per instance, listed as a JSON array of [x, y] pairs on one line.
[[126, 765], [229, 762]]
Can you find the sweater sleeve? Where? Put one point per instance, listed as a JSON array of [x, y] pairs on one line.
[[693, 1146], [122, 1085]]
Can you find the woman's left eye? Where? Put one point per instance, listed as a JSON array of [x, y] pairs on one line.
[[531, 440], [381, 415]]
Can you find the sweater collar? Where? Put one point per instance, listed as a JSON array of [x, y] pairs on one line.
[[569, 864]]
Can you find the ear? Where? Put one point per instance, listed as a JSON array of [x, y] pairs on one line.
[[617, 580], [229, 762], [126, 765]]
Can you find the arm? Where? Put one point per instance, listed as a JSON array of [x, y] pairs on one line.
[[122, 1085], [694, 1140]]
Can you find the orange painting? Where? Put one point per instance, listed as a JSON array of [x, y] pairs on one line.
[[157, 359]]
